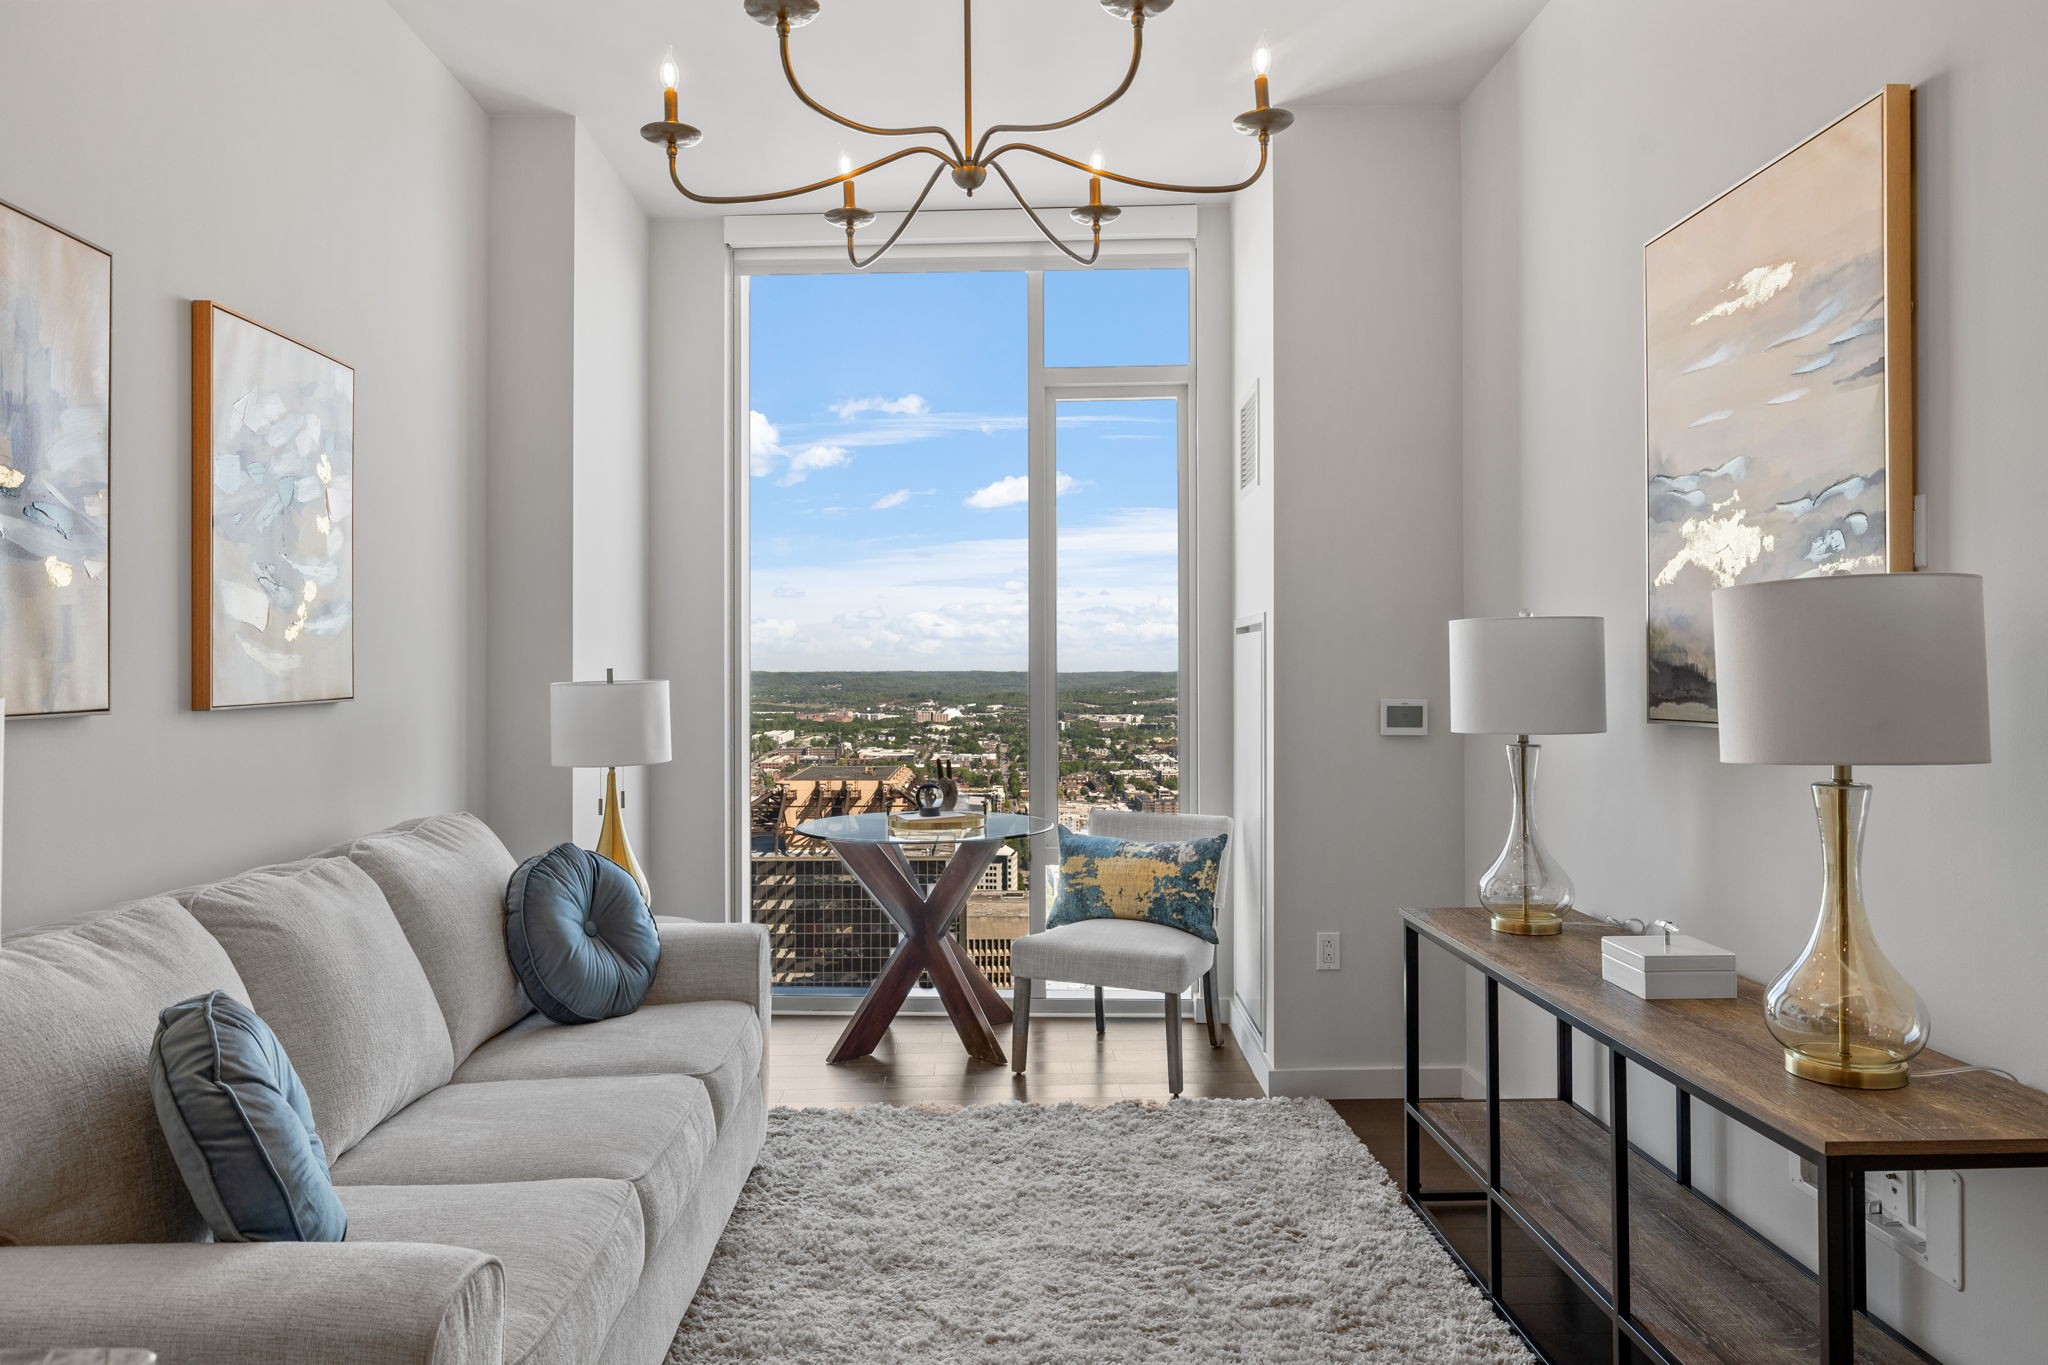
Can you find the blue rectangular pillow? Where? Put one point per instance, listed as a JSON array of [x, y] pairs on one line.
[[1167, 883]]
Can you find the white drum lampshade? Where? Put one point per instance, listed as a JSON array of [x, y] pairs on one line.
[[1529, 675], [1523, 676], [609, 724], [1859, 669]]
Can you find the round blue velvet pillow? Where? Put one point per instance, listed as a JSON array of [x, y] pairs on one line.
[[581, 940], [240, 1125]]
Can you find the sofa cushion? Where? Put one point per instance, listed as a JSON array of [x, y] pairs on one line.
[[330, 971], [572, 1251], [240, 1126], [652, 1131], [717, 1041], [81, 1157], [444, 877], [579, 935]]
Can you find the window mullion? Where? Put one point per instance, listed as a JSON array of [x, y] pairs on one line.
[[1043, 579]]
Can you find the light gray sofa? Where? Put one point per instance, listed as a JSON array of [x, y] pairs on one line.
[[517, 1190]]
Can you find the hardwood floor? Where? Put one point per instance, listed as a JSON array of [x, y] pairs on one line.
[[920, 1061]]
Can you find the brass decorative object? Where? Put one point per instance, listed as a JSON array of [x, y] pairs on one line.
[[966, 159]]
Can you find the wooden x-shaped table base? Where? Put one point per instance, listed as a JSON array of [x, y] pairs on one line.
[[971, 1002]]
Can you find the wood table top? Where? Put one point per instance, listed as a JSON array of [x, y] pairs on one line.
[[1722, 1051]]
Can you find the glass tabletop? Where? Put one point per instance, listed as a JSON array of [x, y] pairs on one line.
[[874, 829]]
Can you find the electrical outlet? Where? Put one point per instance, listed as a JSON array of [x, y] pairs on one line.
[[1327, 956], [1918, 1215]]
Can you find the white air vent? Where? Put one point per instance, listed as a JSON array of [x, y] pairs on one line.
[[1248, 441]]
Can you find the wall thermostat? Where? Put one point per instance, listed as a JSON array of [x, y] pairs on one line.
[[1404, 716]]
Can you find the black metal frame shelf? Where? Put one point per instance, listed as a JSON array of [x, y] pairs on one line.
[[1654, 1219]]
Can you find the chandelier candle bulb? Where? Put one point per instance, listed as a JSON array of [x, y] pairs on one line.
[[670, 74], [1262, 65]]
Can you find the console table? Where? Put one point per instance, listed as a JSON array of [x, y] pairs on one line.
[[1679, 1278]]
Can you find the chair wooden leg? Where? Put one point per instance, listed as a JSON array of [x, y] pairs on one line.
[[1020, 1022], [1101, 1023], [1173, 1044], [1209, 1007]]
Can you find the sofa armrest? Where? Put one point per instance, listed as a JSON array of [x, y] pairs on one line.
[[260, 1303], [713, 962]]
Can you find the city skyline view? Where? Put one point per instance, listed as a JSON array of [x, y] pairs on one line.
[[887, 454]]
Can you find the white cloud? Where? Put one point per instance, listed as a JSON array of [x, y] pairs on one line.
[[909, 405], [1012, 491], [764, 445], [964, 604], [766, 453], [811, 459], [889, 500], [769, 632]]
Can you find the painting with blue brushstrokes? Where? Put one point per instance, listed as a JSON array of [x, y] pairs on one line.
[[56, 349], [273, 464], [1778, 387]]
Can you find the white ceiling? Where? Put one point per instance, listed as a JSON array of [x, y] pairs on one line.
[[898, 62]]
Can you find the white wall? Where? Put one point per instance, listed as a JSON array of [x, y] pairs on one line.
[[609, 559], [238, 151], [1360, 523], [690, 854], [532, 434], [1608, 121], [568, 522]]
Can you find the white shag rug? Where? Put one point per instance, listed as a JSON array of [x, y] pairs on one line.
[[1226, 1230]]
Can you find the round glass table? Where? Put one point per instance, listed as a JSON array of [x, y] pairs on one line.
[[878, 862]]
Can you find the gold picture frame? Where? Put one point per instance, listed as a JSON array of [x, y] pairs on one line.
[[1778, 382], [273, 517]]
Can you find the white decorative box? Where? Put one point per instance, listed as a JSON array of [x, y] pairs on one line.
[[1668, 967]]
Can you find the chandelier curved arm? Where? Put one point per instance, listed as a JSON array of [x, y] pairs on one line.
[[796, 87], [1123, 87], [863, 262], [1047, 232], [811, 188], [1086, 169]]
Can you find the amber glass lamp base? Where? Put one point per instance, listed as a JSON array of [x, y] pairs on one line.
[[1843, 1013]]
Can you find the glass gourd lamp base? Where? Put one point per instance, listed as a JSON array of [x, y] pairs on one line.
[[1525, 891], [1843, 1013]]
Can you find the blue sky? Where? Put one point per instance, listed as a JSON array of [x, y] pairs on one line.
[[887, 449]]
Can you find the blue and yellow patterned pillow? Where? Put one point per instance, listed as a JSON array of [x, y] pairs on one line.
[[1172, 884]]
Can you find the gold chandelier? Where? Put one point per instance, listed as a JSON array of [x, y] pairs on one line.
[[969, 161]]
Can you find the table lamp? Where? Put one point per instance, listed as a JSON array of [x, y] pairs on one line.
[[611, 725], [1836, 672], [1527, 675]]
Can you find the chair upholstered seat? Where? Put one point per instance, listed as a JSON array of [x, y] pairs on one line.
[[1132, 955]]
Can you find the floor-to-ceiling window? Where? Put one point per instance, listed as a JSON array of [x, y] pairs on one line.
[[965, 529]]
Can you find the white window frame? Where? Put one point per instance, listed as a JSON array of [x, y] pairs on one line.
[[757, 249]]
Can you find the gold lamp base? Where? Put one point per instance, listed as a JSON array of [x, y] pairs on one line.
[[1534, 925], [612, 842], [1867, 1068]]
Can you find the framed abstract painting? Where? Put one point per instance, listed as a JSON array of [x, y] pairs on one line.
[[56, 358], [1778, 386], [273, 527]]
